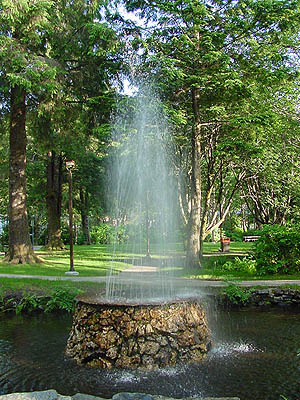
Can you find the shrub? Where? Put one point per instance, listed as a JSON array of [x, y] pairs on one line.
[[278, 250], [4, 237], [62, 299], [29, 303], [120, 234], [106, 234], [245, 265], [235, 235], [232, 228], [59, 299], [102, 234], [237, 295]]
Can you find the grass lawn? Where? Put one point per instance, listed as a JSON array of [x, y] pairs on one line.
[[88, 261], [236, 248], [213, 274], [45, 287], [96, 260]]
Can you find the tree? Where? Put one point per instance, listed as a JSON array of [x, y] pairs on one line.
[[25, 69], [69, 38], [271, 187], [90, 50], [214, 57], [54, 200]]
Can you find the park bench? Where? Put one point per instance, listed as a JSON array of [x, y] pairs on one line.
[[250, 238]]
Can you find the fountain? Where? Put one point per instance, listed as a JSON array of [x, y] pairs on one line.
[[145, 320], [133, 335]]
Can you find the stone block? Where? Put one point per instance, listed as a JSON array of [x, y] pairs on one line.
[[155, 335]]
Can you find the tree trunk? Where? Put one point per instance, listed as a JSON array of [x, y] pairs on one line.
[[84, 199], [204, 219], [193, 246], [53, 201], [20, 247]]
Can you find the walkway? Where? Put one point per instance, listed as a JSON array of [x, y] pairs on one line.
[[148, 274], [180, 281]]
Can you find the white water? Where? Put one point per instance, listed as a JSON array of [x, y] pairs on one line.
[[145, 202]]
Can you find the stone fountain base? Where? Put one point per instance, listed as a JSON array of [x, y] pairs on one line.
[[106, 335]]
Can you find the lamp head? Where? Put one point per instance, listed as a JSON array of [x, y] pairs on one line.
[[70, 164]]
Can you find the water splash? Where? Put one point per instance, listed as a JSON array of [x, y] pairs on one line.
[[234, 349], [145, 206]]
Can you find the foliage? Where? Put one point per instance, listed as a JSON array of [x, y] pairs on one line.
[[59, 299], [237, 294], [212, 61], [278, 250], [245, 265], [232, 228], [102, 234], [235, 235], [4, 236], [271, 188], [107, 234], [4, 304], [253, 232], [62, 299], [30, 302]]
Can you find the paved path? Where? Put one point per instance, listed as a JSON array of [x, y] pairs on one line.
[[188, 282], [148, 274]]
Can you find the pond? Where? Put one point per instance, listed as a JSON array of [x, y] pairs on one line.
[[254, 356]]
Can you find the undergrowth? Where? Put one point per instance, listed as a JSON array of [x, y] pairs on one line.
[[59, 299], [237, 295]]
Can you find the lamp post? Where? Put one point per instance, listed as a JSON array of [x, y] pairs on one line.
[[70, 166]]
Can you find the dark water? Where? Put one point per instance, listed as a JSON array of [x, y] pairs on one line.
[[254, 357]]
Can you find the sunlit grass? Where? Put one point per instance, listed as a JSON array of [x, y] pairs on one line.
[[45, 286], [235, 247], [96, 260], [88, 261]]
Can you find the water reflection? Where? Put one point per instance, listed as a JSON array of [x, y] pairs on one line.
[[254, 357]]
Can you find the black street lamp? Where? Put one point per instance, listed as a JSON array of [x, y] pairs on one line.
[[70, 166]]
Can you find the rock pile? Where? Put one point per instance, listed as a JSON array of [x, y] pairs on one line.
[[276, 297], [133, 336]]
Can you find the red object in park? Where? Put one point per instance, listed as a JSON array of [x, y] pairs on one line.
[[225, 240], [225, 244]]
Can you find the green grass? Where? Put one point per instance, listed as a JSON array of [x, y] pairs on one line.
[[207, 273], [241, 248], [96, 260], [45, 286], [88, 261]]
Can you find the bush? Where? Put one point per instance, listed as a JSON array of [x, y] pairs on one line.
[[106, 234], [29, 303], [62, 299], [245, 265], [102, 234], [232, 228], [278, 250], [4, 237], [237, 295], [235, 235]]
